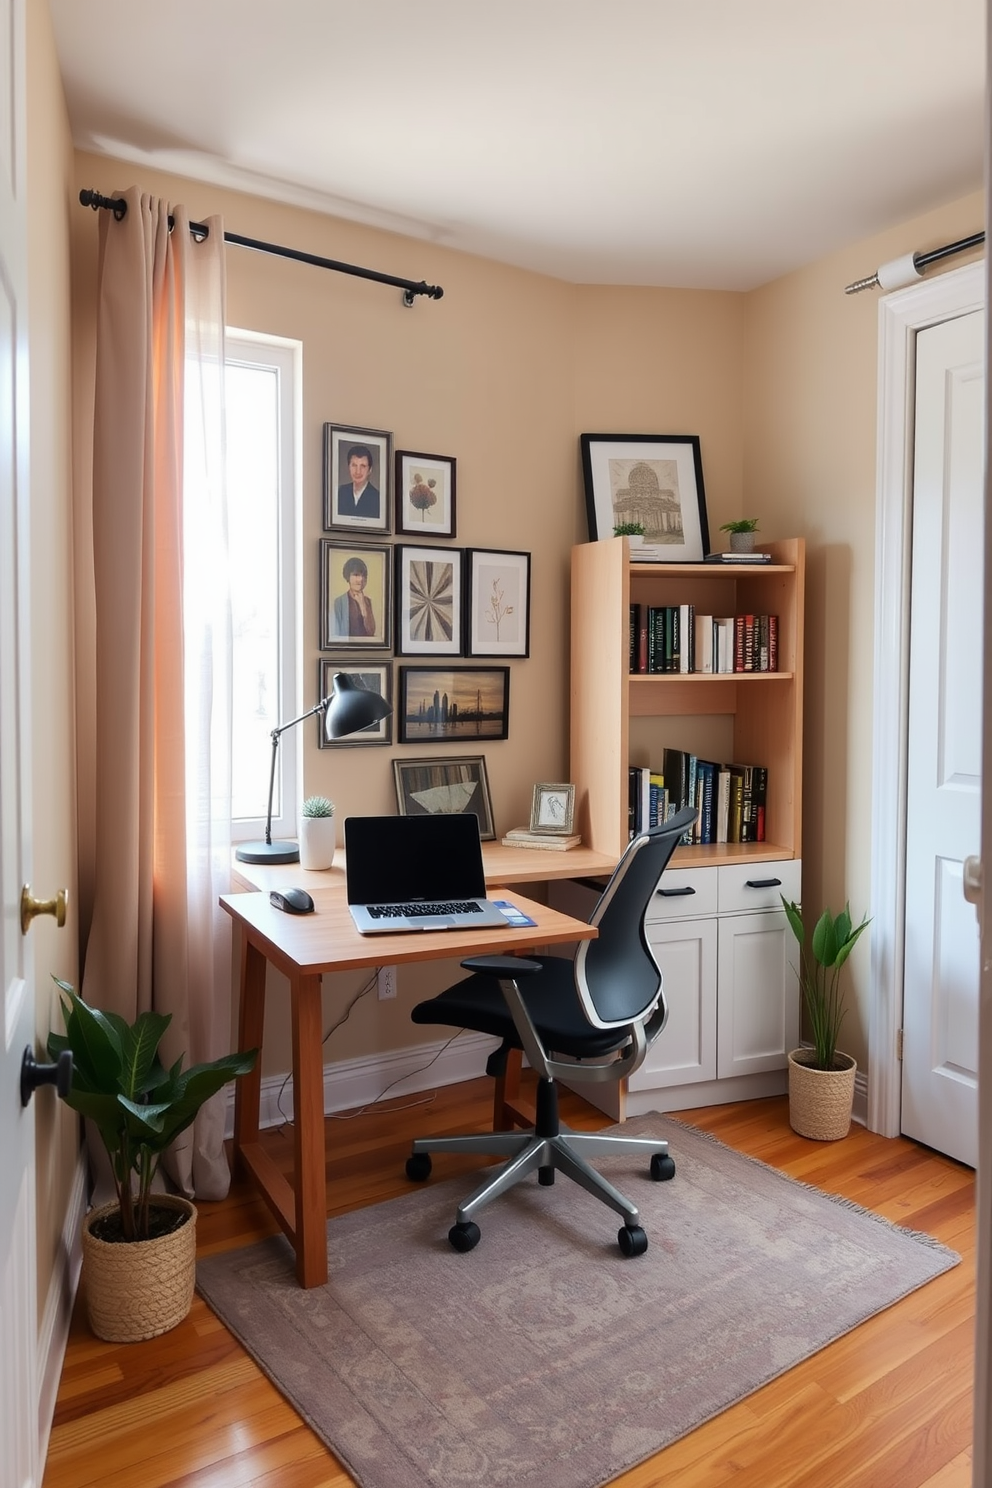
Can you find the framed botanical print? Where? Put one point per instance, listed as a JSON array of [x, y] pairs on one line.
[[357, 470], [429, 601], [498, 603], [356, 594], [425, 495], [371, 676]]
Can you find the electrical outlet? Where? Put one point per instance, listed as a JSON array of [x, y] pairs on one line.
[[387, 982]]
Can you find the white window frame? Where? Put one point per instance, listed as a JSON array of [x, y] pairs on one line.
[[285, 357]]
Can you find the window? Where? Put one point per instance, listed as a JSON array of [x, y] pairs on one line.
[[262, 381]]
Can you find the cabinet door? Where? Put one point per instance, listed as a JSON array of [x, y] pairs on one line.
[[685, 1050], [758, 1012]]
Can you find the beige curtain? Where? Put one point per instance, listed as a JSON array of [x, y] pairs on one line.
[[162, 650]]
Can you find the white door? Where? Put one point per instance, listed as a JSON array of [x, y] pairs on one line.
[[19, 1464], [943, 818]]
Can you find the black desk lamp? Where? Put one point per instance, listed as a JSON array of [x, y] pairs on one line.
[[348, 709]]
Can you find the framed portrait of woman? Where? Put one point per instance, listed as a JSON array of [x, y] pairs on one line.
[[356, 596]]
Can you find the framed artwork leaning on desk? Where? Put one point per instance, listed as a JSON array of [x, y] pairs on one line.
[[445, 785]]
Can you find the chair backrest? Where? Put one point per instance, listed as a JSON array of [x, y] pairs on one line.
[[617, 978]]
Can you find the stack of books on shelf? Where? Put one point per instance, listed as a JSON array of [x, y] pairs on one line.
[[738, 557], [667, 639], [557, 842], [730, 798]]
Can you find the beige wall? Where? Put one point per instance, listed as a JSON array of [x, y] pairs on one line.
[[504, 373], [809, 468], [53, 774]]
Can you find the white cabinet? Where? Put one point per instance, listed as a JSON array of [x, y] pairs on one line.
[[729, 961]]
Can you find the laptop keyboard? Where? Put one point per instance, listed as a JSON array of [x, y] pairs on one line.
[[421, 911]]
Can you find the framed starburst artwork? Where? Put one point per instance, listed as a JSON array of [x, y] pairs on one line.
[[429, 611]]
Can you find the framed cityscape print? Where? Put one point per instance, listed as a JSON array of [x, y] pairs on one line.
[[653, 479], [452, 786], [356, 593], [429, 601], [374, 678], [357, 471], [425, 495], [498, 603], [453, 704]]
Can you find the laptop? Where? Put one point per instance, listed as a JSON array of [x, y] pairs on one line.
[[417, 873]]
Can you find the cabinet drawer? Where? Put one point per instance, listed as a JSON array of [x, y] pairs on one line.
[[744, 886], [683, 893]]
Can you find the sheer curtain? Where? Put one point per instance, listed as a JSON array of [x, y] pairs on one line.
[[162, 650]]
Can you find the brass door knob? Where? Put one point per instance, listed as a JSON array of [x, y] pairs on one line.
[[30, 906]]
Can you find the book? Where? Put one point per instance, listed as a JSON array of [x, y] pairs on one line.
[[687, 638], [738, 558], [703, 644], [520, 837], [723, 627], [722, 803]]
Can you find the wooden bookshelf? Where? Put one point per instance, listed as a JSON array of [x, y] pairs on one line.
[[619, 718]]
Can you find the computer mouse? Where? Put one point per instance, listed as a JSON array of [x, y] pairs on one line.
[[293, 901]]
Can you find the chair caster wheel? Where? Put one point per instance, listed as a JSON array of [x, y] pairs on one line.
[[662, 1167], [546, 1176], [465, 1236], [418, 1167], [632, 1240]]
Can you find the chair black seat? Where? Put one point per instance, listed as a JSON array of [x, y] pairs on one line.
[[549, 996]]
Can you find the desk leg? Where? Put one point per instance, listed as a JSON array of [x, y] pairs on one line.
[[251, 1020], [308, 1133]]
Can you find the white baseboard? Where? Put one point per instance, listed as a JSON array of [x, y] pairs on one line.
[[860, 1111], [54, 1330], [360, 1082]]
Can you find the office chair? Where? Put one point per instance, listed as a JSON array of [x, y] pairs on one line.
[[588, 1020]]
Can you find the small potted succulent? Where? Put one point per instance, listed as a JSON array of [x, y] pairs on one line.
[[139, 1252], [741, 534], [317, 832], [632, 531], [821, 1079]]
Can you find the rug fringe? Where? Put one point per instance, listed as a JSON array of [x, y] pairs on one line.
[[918, 1235]]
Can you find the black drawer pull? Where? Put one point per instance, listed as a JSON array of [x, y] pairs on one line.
[[676, 893], [762, 883]]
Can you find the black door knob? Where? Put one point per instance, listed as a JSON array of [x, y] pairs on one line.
[[34, 1074]]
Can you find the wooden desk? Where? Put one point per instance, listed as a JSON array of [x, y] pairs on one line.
[[304, 948], [503, 865]]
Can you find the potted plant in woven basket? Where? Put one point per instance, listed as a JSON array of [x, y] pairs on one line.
[[316, 832], [821, 1078], [139, 1253]]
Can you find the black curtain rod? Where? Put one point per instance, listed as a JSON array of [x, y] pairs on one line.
[[904, 271], [118, 206]]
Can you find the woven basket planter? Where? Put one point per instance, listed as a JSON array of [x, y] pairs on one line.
[[141, 1288], [820, 1101]]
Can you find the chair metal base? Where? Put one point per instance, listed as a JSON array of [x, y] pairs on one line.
[[565, 1152]]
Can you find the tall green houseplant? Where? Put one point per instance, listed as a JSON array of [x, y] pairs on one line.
[[820, 963], [138, 1106]]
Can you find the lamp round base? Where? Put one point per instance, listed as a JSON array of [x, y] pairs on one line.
[[267, 852]]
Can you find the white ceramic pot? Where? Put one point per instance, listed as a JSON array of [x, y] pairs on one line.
[[317, 837]]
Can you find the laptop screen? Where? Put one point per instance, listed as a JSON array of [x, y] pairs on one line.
[[391, 859]]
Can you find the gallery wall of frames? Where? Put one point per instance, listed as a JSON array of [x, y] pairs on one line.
[[426, 624]]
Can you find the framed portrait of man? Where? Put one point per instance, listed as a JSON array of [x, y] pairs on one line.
[[357, 467], [356, 596]]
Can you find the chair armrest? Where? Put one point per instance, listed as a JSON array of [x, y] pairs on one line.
[[509, 967]]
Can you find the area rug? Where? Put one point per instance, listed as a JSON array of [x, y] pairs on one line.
[[543, 1357]]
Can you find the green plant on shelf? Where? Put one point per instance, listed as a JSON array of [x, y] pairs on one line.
[[743, 524], [628, 529]]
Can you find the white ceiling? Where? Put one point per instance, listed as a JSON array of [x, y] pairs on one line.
[[690, 143]]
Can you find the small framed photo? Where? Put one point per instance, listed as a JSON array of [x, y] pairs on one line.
[[452, 786], [453, 704], [356, 595], [371, 676], [357, 467], [425, 495], [429, 601], [653, 479], [497, 603], [552, 809]]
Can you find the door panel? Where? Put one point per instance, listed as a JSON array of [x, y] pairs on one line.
[[940, 1011]]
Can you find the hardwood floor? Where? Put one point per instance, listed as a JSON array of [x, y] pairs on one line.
[[886, 1406]]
